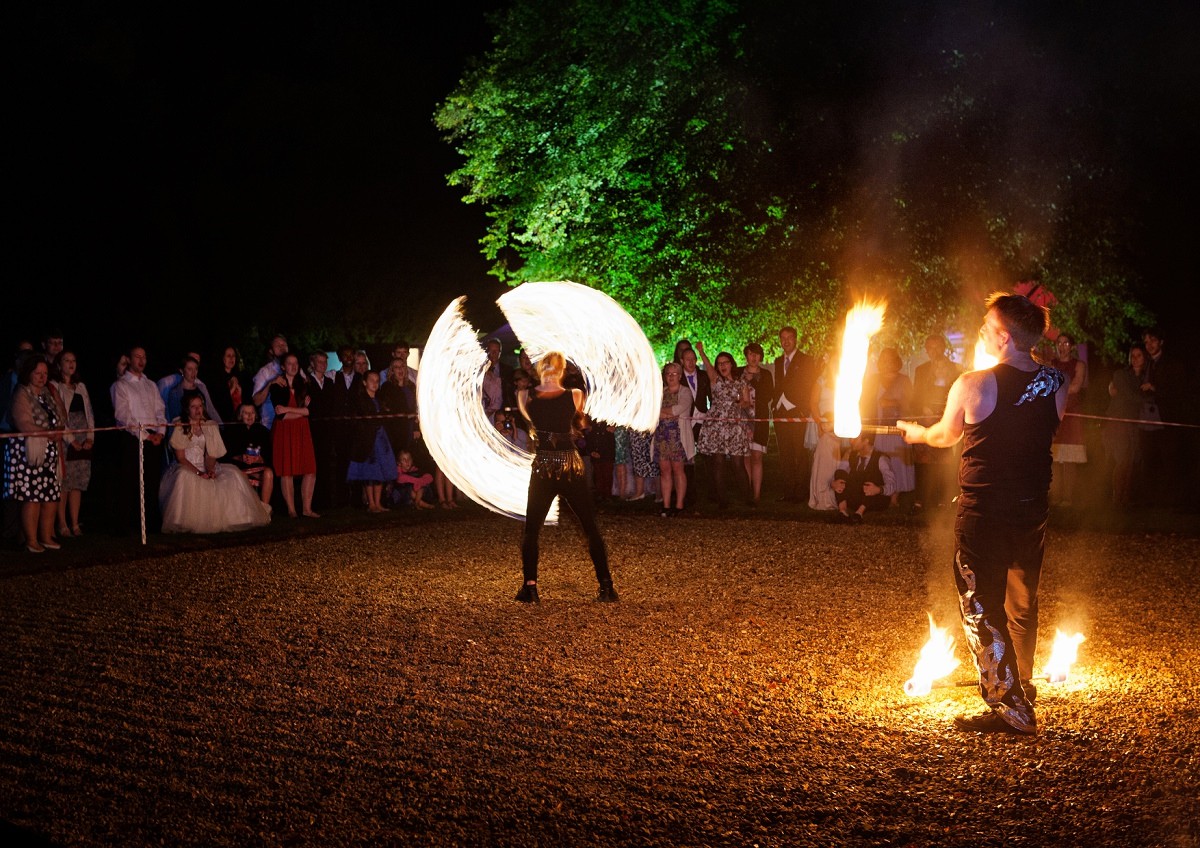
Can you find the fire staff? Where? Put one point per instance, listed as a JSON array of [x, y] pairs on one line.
[[1007, 416]]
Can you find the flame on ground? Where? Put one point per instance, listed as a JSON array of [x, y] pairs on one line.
[[1062, 655], [936, 661], [862, 322]]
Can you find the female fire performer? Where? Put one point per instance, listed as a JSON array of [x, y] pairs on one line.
[[552, 412]]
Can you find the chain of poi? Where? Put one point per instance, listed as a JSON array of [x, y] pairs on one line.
[[467, 448], [586, 326]]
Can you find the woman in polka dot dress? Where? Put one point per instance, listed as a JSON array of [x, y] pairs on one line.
[[31, 466]]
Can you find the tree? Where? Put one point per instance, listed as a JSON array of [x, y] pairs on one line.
[[724, 170]]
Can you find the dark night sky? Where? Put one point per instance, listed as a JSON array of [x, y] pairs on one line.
[[179, 178]]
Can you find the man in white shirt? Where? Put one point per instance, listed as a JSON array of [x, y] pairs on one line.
[[863, 481], [323, 429], [795, 373], [266, 375], [138, 406]]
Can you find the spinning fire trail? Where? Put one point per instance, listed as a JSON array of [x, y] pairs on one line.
[[585, 325]]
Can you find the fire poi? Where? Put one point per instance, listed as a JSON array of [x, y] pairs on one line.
[[587, 326]]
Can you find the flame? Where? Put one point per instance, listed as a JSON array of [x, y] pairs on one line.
[[862, 322], [592, 330], [587, 326], [983, 359], [937, 660], [468, 449], [1062, 655]]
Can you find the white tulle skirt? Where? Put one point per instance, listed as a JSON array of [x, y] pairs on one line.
[[825, 462], [224, 504]]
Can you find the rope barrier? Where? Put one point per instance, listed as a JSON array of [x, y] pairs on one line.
[[142, 429], [132, 428]]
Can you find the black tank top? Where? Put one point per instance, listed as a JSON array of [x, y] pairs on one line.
[[1008, 453], [551, 417]]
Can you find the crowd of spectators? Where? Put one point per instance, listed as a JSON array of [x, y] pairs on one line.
[[220, 447], [206, 450]]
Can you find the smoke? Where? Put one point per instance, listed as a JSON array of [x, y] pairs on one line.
[[967, 142]]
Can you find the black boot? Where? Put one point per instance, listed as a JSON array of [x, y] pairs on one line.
[[529, 594]]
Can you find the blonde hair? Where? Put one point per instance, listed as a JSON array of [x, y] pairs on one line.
[[552, 365]]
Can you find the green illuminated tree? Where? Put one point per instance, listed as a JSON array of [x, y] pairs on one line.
[[722, 169]]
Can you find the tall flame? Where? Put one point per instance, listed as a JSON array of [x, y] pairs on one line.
[[862, 322], [936, 661], [983, 359], [1062, 655]]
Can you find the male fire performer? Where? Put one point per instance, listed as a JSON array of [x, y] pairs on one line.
[[1008, 415]]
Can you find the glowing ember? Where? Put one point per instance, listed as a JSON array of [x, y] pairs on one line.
[[937, 660], [862, 322], [1062, 655], [587, 326], [983, 359]]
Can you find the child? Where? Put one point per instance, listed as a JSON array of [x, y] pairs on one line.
[[411, 483]]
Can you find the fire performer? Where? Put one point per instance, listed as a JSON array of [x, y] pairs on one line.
[[552, 411], [1007, 416]]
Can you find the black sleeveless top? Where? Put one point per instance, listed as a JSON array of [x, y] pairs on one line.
[[1008, 453], [551, 418]]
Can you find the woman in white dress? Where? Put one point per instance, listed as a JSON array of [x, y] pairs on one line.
[[197, 494], [828, 452]]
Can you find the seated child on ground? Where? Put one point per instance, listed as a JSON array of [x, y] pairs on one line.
[[412, 486]]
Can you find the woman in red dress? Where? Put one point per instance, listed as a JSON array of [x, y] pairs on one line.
[[291, 440]]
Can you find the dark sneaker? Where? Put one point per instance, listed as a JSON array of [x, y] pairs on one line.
[[988, 721], [529, 594], [1030, 691], [608, 595], [855, 518]]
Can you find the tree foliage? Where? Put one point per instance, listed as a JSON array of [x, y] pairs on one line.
[[722, 169]]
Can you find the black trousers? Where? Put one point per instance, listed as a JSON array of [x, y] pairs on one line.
[[795, 460], [573, 491], [999, 545]]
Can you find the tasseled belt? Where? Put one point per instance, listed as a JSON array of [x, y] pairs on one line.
[[553, 462]]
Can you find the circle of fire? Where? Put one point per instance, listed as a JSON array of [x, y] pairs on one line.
[[587, 326]]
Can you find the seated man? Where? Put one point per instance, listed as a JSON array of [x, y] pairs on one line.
[[864, 481]]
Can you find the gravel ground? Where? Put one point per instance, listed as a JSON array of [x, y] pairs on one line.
[[382, 687]]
